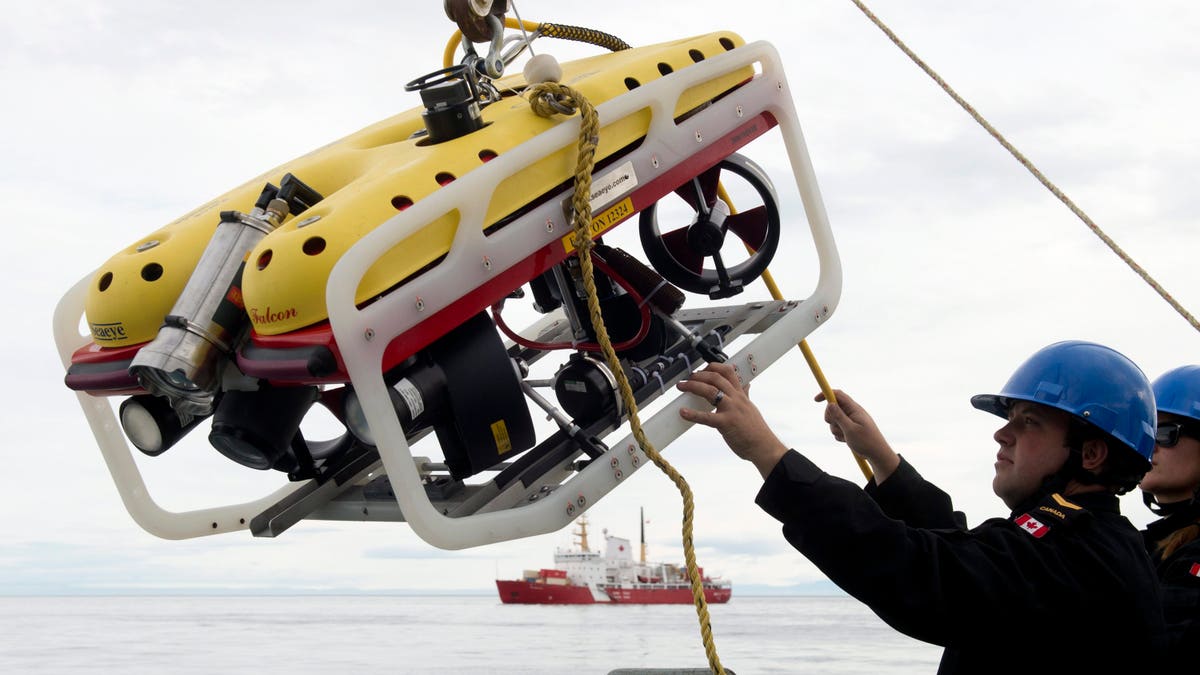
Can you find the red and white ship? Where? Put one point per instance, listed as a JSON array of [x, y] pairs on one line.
[[582, 576]]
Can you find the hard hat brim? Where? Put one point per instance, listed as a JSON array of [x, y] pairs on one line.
[[993, 403]]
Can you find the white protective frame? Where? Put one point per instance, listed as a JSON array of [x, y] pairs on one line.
[[363, 334], [118, 455]]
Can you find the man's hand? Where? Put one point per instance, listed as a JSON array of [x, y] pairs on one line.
[[850, 424], [739, 421]]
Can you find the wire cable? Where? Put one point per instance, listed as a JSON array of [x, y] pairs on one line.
[[1108, 241]]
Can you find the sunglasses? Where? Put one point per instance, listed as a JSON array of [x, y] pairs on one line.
[[1168, 433]]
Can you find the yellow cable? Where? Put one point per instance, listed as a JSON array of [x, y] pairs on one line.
[[804, 348], [589, 129]]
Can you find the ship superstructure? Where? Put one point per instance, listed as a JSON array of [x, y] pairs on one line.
[[583, 576]]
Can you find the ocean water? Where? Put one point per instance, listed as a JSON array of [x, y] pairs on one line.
[[443, 635]]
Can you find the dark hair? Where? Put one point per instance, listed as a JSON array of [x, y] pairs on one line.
[[1173, 541], [1122, 470]]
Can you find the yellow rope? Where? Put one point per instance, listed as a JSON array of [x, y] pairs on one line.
[[809, 357], [539, 98], [1032, 169]]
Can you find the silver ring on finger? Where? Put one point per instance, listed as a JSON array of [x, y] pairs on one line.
[[718, 398]]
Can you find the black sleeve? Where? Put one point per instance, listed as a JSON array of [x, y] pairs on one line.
[[1180, 577], [907, 496], [941, 586]]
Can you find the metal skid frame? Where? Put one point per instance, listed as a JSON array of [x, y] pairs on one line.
[[536, 504], [360, 491]]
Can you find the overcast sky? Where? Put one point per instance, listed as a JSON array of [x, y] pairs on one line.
[[121, 116]]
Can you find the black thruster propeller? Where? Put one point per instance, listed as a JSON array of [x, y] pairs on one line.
[[691, 256]]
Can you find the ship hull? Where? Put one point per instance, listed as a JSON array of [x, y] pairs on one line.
[[665, 596], [520, 592]]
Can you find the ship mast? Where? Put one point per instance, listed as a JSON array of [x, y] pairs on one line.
[[582, 534], [642, 514]]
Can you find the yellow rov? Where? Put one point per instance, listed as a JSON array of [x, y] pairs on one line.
[[369, 277]]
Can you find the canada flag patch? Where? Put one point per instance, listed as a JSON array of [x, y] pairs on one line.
[[1032, 525], [1195, 571]]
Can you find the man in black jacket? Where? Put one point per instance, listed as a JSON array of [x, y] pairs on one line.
[[1062, 584]]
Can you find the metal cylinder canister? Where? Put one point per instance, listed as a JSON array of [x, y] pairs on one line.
[[181, 363]]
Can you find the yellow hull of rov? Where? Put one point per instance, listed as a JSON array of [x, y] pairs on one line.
[[365, 178]]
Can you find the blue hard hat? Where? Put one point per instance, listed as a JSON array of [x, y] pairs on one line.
[[1092, 382], [1178, 391]]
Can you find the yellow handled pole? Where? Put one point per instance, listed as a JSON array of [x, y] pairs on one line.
[[804, 348], [816, 371]]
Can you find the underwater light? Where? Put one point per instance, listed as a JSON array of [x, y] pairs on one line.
[[152, 425]]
